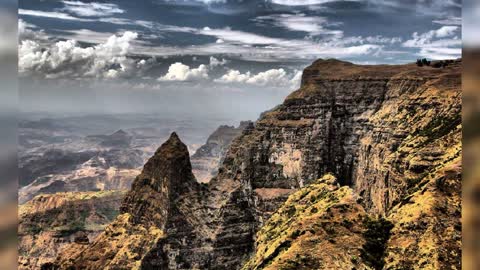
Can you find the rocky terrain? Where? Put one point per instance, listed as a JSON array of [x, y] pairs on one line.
[[50, 222], [86, 186], [208, 158], [107, 162], [391, 135], [84, 154]]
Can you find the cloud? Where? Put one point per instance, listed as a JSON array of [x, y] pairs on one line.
[[226, 34], [437, 44], [50, 14], [85, 35], [215, 62], [181, 72], [302, 2], [450, 21], [25, 31], [92, 9], [68, 59], [421, 40], [299, 22], [272, 77], [446, 31]]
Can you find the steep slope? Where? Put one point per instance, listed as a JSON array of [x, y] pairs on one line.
[[154, 206], [48, 223], [209, 157], [383, 131], [318, 227]]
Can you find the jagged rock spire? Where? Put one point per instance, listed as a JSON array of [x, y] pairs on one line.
[[166, 175]]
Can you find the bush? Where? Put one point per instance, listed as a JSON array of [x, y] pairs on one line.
[[423, 62]]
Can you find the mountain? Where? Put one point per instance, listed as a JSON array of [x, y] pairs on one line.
[[390, 135], [208, 158], [49, 222]]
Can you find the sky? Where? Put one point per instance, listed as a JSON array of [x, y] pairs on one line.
[[210, 57]]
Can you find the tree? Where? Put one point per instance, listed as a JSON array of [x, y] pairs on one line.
[[425, 62]]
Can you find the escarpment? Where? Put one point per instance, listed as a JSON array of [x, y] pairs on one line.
[[387, 133]]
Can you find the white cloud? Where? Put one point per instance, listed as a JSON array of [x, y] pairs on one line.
[[441, 53], [68, 59], [215, 62], [302, 2], [25, 31], [181, 72], [421, 40], [272, 77], [450, 21], [226, 34], [50, 14], [437, 44], [299, 22], [446, 31], [92, 9], [85, 35]]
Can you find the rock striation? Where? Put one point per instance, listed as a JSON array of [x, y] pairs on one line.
[[208, 158], [388, 133]]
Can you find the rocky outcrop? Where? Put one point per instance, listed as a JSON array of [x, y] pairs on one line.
[[319, 227], [49, 223], [208, 158], [384, 131]]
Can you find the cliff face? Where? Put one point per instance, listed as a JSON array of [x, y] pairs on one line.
[[386, 132], [209, 157]]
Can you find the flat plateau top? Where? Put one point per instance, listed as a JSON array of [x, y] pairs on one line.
[[340, 70]]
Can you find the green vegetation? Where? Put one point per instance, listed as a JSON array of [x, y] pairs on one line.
[[439, 127], [423, 62]]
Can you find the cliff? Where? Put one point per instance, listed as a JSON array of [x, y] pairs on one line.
[[209, 157], [390, 135]]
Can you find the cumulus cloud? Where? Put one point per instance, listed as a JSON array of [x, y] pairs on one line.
[[272, 77], [69, 59], [181, 72], [92, 9], [216, 62]]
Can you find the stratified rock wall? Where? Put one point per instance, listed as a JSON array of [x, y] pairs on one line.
[[209, 157]]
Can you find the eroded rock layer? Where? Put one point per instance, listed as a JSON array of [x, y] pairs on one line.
[[209, 157], [383, 131]]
